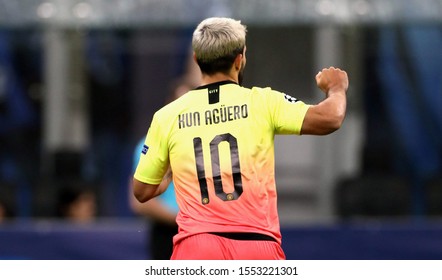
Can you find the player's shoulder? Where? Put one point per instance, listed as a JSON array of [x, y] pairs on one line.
[[263, 90], [169, 107], [271, 96], [264, 93], [163, 114]]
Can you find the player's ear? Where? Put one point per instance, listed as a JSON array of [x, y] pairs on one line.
[[238, 61]]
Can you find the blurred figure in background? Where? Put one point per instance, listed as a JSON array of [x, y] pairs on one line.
[[162, 210], [2, 212], [6, 212], [7, 201], [19, 123], [77, 204]]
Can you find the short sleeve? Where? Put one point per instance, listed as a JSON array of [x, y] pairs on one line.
[[154, 156], [137, 154], [287, 112]]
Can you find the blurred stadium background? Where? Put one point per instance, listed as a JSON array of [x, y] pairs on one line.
[[80, 80]]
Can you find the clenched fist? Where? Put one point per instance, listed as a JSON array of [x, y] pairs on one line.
[[331, 79]]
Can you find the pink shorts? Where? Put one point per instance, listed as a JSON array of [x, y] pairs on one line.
[[206, 246]]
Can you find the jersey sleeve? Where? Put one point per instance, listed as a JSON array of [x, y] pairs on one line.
[[137, 153], [154, 157], [287, 112]]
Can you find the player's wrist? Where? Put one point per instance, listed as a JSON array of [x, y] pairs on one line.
[[339, 89]]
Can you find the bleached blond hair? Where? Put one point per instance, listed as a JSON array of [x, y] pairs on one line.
[[217, 41]]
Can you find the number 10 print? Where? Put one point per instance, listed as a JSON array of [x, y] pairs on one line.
[[216, 168]]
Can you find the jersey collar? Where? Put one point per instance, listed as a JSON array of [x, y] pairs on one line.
[[217, 84]]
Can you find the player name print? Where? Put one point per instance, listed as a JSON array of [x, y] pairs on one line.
[[213, 116]]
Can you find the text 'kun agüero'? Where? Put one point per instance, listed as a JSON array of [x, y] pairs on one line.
[[213, 116]]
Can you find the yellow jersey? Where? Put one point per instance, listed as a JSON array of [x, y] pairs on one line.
[[219, 142]]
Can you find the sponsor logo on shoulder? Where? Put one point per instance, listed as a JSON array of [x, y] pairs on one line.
[[289, 98], [144, 150]]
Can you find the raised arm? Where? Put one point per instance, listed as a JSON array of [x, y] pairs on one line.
[[328, 115]]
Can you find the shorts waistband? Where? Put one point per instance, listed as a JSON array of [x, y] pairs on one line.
[[244, 236]]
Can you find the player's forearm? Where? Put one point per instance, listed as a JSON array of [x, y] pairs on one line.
[[335, 106], [327, 116], [144, 192]]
